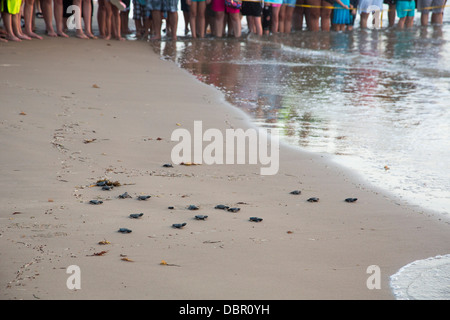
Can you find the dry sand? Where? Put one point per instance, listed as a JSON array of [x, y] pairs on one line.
[[50, 108]]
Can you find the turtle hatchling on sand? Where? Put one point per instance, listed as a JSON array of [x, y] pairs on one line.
[[233, 209], [179, 225], [351, 199], [136, 215], [192, 207], [201, 217], [221, 206], [313, 199], [124, 195], [124, 230], [143, 197], [255, 219], [295, 192], [95, 202]]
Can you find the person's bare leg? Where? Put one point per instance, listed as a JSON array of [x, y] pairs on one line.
[[275, 19], [193, 18], [87, 18], [116, 23], [288, 19], [173, 24], [258, 25], [201, 7], [7, 22], [47, 12], [101, 18], [79, 32], [401, 23], [437, 18], [58, 12], [325, 16], [391, 15], [108, 17], [313, 15], [236, 21], [17, 27], [281, 18], [28, 15], [157, 22], [219, 19], [409, 22], [363, 20]]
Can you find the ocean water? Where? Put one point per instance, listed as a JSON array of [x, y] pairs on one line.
[[374, 101]]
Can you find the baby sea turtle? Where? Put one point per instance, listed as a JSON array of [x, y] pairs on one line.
[[233, 209], [192, 207], [102, 183], [143, 197], [171, 208], [95, 202], [167, 165], [351, 199], [107, 188], [221, 206], [201, 217], [255, 219], [313, 199], [179, 225], [295, 192], [136, 215], [124, 230], [124, 195]]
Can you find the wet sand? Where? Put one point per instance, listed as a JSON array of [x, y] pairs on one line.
[[74, 112]]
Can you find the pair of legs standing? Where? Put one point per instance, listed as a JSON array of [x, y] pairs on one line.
[[11, 20], [159, 6], [219, 8], [57, 9], [319, 12]]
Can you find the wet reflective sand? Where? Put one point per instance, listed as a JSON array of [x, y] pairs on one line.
[[378, 101]]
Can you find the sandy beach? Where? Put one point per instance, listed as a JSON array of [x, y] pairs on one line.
[[74, 112]]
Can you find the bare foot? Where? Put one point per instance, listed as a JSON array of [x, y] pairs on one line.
[[33, 35], [3, 40], [155, 38], [91, 36], [62, 34], [51, 33], [12, 38], [120, 39], [24, 37], [81, 35]]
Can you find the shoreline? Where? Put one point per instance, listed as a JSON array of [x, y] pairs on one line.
[[48, 170]]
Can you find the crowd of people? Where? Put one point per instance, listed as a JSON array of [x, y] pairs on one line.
[[221, 16]]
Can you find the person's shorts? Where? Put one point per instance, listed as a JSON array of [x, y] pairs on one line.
[[435, 6], [219, 6], [366, 6], [405, 8], [290, 3], [184, 6], [163, 5], [251, 9], [140, 11], [389, 2], [10, 6]]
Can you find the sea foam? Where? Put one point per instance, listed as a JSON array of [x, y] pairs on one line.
[[427, 279]]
